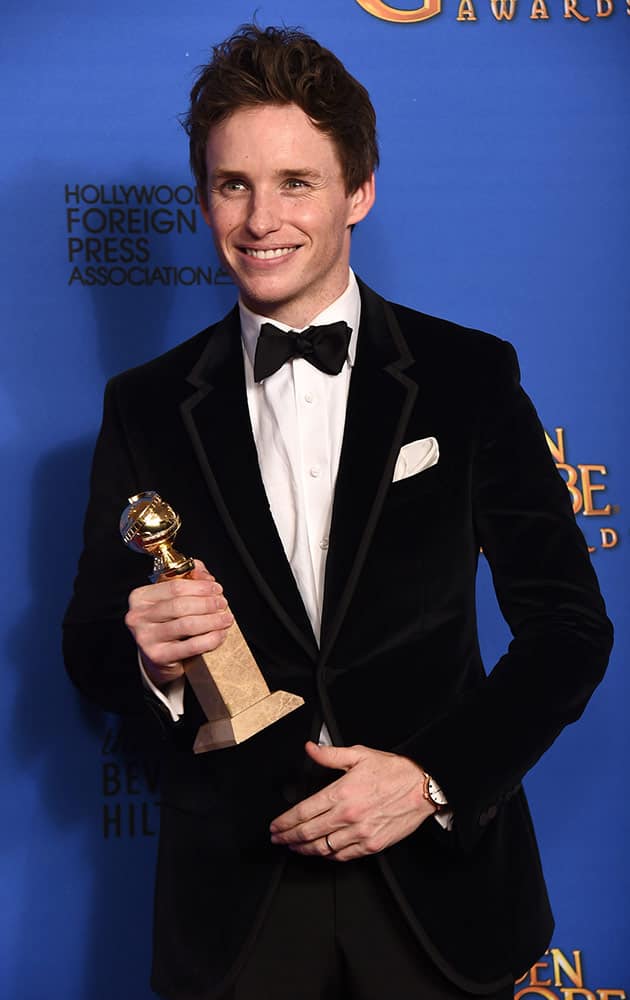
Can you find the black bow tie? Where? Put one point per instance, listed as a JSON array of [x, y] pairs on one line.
[[326, 347]]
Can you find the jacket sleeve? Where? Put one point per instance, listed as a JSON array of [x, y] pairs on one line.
[[99, 651], [548, 593]]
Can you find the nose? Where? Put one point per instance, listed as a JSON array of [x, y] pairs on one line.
[[264, 215]]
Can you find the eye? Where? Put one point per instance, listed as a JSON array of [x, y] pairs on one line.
[[233, 185], [295, 183]]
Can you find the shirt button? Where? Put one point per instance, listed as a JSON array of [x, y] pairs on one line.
[[308, 397], [314, 471], [324, 543]]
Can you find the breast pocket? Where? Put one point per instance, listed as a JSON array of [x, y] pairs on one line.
[[425, 483]]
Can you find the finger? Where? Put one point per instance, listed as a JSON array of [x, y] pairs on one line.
[[167, 653], [199, 585], [303, 833], [320, 848], [200, 572], [169, 589], [175, 608], [350, 853], [341, 840], [315, 848], [330, 845], [306, 810], [187, 608], [191, 625], [339, 758]]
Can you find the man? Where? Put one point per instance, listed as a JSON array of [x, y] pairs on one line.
[[339, 502]]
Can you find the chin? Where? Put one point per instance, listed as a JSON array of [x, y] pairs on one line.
[[266, 298]]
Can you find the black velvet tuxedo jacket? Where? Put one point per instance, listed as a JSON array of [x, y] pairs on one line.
[[399, 667]]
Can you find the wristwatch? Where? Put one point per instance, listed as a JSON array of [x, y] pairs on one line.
[[434, 794]]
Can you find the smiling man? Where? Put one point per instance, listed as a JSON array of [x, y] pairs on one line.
[[337, 461]]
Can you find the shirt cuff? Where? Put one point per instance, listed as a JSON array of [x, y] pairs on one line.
[[445, 820], [171, 696]]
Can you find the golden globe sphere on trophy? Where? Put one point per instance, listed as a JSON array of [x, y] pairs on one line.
[[227, 681]]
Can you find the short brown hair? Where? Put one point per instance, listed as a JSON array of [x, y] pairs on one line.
[[283, 66]]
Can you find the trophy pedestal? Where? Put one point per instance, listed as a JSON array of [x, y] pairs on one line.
[[230, 730], [233, 694]]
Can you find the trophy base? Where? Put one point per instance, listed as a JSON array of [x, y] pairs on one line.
[[231, 730]]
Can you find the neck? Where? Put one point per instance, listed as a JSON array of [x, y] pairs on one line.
[[297, 315]]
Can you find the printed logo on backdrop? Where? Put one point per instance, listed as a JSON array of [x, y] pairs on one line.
[[498, 10], [558, 976], [588, 489], [130, 785], [114, 231]]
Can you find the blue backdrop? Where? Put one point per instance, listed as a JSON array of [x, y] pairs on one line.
[[502, 204]]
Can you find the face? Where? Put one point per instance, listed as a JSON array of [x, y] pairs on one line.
[[279, 212]]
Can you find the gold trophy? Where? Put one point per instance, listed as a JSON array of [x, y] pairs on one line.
[[227, 682]]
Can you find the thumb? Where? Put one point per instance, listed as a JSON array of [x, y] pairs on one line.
[[200, 572], [338, 758]]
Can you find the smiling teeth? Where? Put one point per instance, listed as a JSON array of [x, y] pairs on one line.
[[268, 254]]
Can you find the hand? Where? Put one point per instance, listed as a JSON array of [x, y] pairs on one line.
[[376, 803], [175, 619]]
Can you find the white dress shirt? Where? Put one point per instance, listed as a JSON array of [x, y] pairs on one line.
[[297, 417]]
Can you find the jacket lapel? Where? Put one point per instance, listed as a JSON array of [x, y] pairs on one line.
[[380, 401], [217, 418]]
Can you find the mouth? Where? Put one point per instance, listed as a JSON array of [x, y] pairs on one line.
[[270, 254]]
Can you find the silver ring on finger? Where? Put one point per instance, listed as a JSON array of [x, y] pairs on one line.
[[329, 845]]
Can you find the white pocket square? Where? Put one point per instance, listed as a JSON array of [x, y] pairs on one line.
[[415, 457]]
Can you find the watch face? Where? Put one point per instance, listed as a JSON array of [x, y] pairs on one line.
[[436, 794]]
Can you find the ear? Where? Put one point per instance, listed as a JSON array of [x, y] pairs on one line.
[[361, 201]]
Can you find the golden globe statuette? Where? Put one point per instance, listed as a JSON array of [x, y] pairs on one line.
[[227, 682]]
